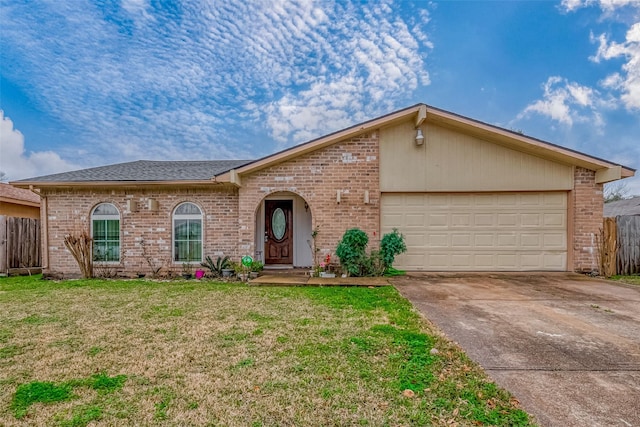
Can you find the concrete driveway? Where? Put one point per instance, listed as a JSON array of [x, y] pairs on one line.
[[566, 346]]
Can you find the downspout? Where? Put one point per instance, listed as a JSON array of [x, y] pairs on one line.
[[44, 228]]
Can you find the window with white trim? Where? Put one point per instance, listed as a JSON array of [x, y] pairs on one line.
[[105, 231], [187, 233]]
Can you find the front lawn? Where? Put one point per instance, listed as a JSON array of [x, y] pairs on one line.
[[632, 280], [205, 353]]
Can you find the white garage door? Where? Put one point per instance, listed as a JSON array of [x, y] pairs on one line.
[[481, 231]]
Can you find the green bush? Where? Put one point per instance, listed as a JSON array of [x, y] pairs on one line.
[[256, 266], [391, 245], [352, 251]]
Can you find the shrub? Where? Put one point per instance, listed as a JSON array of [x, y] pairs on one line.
[[352, 251], [391, 245], [256, 266], [356, 262]]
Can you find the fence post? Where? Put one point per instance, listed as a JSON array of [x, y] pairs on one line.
[[4, 267]]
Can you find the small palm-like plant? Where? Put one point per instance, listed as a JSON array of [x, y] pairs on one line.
[[222, 263]]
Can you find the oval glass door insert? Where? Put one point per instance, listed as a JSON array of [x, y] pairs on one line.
[[278, 224]]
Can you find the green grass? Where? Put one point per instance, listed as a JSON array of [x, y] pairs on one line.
[[112, 352], [36, 391], [50, 392], [632, 280]]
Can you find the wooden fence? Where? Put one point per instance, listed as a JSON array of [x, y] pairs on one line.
[[620, 245], [19, 245], [628, 247]]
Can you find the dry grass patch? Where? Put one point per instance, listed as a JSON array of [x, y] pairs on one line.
[[205, 353]]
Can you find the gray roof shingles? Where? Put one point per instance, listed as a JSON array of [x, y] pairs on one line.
[[623, 207], [146, 170]]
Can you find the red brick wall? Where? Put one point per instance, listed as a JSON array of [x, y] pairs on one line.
[[587, 220], [350, 166], [69, 211]]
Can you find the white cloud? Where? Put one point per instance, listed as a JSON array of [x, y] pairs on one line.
[[18, 164], [566, 102], [607, 6], [174, 77], [627, 83], [377, 61]]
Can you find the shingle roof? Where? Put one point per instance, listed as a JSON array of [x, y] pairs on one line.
[[17, 195], [146, 170], [622, 207]]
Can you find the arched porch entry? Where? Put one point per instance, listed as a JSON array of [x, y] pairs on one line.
[[283, 231]]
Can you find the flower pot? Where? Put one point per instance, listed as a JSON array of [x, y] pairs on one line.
[[253, 274], [199, 274], [227, 272], [186, 276], [243, 277], [328, 275]]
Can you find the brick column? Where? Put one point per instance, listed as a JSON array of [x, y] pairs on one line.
[[587, 220]]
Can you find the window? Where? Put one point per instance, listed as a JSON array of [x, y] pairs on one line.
[[187, 233], [105, 230]]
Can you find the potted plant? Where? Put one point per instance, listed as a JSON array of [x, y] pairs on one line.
[[241, 271], [231, 270], [218, 267], [187, 270], [256, 267], [326, 267]]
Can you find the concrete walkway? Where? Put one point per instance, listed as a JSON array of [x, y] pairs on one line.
[[566, 346]]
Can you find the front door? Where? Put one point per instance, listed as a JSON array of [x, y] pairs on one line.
[[278, 232]]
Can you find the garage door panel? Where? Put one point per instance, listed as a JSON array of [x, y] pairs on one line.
[[461, 260], [437, 260], [556, 241], [461, 240], [484, 261], [508, 240], [530, 261], [484, 219], [508, 220], [500, 231], [530, 241], [485, 240], [460, 220], [415, 220], [555, 261], [554, 219], [414, 240], [530, 220], [506, 261], [438, 240]]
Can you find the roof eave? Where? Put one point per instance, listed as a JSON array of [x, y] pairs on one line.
[[80, 184], [321, 142], [524, 143], [19, 202], [608, 171]]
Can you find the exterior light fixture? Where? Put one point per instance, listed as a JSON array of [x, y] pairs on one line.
[[132, 205], [419, 137], [153, 205]]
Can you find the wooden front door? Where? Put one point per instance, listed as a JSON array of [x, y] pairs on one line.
[[278, 232]]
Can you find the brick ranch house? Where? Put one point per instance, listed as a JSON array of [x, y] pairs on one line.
[[466, 195]]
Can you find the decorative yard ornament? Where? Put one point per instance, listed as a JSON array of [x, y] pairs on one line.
[[247, 260]]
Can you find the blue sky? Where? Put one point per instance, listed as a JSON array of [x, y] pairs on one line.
[[91, 83]]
